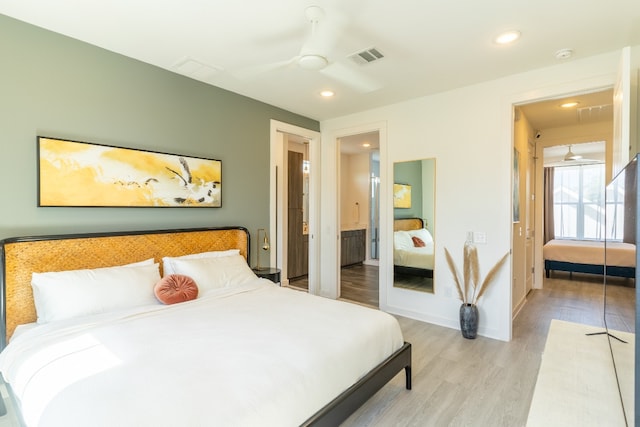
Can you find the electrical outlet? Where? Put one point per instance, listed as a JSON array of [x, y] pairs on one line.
[[448, 292]]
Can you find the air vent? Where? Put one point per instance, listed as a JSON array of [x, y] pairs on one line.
[[595, 113], [366, 56]]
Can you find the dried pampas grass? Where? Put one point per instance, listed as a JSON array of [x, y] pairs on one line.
[[469, 288]]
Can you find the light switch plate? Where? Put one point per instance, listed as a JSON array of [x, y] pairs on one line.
[[480, 237]]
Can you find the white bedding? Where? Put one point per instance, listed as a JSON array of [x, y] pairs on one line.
[[253, 355], [417, 257]]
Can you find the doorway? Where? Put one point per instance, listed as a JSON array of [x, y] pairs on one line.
[[554, 124], [294, 195], [359, 216], [297, 210]]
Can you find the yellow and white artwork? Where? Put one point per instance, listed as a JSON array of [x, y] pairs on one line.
[[75, 173], [401, 196]]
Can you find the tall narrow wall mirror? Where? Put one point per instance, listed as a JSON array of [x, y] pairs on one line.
[[414, 224]]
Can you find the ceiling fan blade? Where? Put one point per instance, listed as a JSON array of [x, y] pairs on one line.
[[252, 72], [351, 78]]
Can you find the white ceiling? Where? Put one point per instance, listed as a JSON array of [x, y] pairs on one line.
[[353, 144], [591, 108], [429, 46]]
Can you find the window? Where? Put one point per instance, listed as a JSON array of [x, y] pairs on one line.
[[578, 202]]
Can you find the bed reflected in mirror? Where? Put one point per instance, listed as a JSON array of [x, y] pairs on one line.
[[413, 224]]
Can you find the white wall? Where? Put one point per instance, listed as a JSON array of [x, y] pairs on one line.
[[354, 188], [469, 132]]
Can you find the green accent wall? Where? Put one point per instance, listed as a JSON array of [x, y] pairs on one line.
[[57, 86], [409, 173]]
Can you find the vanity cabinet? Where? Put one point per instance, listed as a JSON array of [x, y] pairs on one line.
[[353, 247]]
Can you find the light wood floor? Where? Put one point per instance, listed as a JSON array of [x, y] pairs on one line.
[[481, 382]]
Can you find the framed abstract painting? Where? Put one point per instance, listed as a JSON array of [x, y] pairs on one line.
[[73, 173]]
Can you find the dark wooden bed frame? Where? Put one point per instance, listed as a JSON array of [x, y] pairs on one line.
[[332, 414], [412, 271], [571, 267]]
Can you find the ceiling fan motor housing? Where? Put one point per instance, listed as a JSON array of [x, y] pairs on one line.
[[313, 62]]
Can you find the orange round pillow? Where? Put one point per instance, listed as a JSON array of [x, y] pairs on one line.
[[418, 242], [175, 288]]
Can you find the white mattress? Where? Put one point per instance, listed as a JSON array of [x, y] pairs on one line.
[[245, 356], [590, 252], [417, 257]]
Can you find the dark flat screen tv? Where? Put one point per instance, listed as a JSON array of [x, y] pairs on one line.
[[620, 293]]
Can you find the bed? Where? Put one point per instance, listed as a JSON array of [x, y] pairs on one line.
[[582, 256], [244, 352], [412, 248]]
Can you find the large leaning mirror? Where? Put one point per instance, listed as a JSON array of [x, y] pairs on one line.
[[413, 224]]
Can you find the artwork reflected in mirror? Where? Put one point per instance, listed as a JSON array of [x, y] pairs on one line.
[[413, 224], [402, 196]]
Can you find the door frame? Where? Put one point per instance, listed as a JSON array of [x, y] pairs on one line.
[[277, 202]]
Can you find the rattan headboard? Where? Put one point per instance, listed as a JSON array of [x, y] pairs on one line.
[[405, 224], [21, 256]]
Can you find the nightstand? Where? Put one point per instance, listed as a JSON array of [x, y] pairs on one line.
[[272, 274]]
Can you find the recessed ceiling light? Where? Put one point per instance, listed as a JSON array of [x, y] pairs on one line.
[[569, 104], [366, 145], [327, 93], [508, 37]]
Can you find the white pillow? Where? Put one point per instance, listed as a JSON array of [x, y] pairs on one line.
[[149, 261], [167, 262], [423, 234], [402, 240], [66, 294], [214, 273]]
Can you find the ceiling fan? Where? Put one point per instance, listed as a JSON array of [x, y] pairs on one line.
[[570, 156], [553, 158], [316, 55]]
